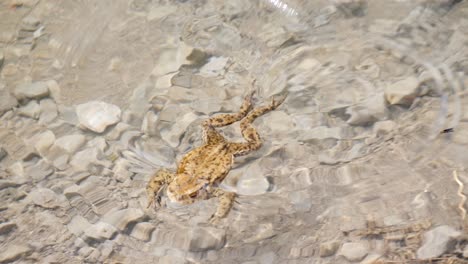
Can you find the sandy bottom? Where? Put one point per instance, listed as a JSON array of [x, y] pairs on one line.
[[363, 163]]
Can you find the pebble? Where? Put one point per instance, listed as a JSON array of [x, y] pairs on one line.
[[48, 111], [170, 59], [148, 126], [7, 227], [367, 112], [31, 109], [402, 92], [252, 181], [214, 67], [100, 231], [173, 134], [263, 231], [371, 259], [78, 225], [384, 127], [39, 171], [35, 90], [328, 248], [13, 252], [45, 198], [120, 169], [267, 258], [7, 101], [353, 251], [158, 12], [465, 252], [437, 241], [54, 90], [68, 114], [208, 238], [43, 141], [97, 116], [90, 254], [322, 132], [81, 160], [143, 231], [30, 23], [70, 143], [122, 218]]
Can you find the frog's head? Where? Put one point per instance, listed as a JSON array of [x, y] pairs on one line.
[[185, 188]]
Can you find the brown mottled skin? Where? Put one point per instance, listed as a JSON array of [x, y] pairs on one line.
[[202, 169]]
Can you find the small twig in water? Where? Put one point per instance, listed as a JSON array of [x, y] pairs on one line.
[[460, 193]]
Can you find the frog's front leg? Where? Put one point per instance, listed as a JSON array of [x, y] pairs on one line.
[[156, 185], [226, 199]]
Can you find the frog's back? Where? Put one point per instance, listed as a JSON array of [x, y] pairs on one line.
[[211, 162]]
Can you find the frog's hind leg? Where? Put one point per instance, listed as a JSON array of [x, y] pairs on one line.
[[156, 184], [248, 131], [211, 135], [226, 199]]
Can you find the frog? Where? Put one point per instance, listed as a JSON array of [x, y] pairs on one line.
[[203, 168]]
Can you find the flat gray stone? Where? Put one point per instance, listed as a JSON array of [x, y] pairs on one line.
[[35, 90], [100, 231], [122, 218], [97, 116], [7, 101], [13, 252], [45, 198], [367, 112], [437, 241], [48, 111], [78, 225], [143, 231], [70, 143], [208, 238], [402, 92], [353, 251], [328, 248], [7, 227], [31, 110]]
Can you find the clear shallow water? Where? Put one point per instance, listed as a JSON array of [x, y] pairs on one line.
[[341, 152]]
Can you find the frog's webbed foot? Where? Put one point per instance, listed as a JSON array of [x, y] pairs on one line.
[[226, 199], [154, 199], [155, 187], [277, 100]]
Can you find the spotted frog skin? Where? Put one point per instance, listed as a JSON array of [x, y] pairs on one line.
[[202, 169]]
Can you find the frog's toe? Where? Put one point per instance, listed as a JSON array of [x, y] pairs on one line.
[[278, 100], [214, 220]]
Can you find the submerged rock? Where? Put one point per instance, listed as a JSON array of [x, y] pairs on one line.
[[353, 251], [208, 238], [70, 143], [252, 181], [368, 112], [437, 241], [14, 252], [402, 92], [97, 115], [328, 248], [45, 198], [32, 110], [143, 231], [48, 111], [122, 218], [100, 231], [34, 90], [7, 101]]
